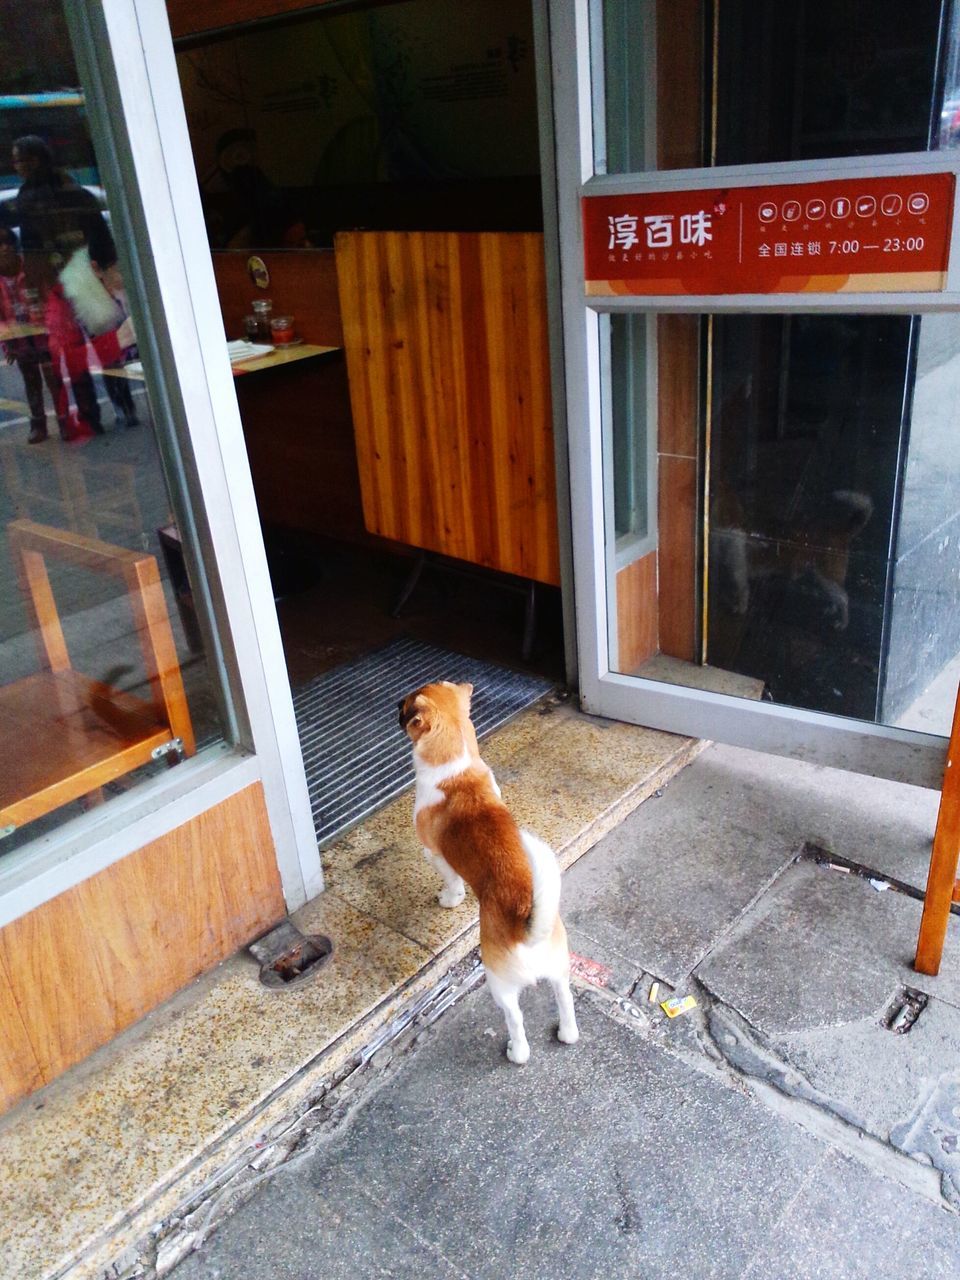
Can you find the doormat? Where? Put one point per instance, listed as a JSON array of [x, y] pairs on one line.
[[356, 756]]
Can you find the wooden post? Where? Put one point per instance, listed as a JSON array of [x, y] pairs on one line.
[[942, 885]]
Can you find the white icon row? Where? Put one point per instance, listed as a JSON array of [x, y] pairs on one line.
[[842, 207]]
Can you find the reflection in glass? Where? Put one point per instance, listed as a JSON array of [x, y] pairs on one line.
[[750, 82], [808, 543], [845, 79], [419, 115], [103, 675], [807, 428]]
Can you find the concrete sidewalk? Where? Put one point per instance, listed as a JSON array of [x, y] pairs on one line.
[[777, 1130]]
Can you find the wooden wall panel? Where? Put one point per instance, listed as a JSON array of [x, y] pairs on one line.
[[680, 81], [20, 1072], [303, 283], [637, 620], [678, 384], [78, 969], [679, 628], [446, 342]]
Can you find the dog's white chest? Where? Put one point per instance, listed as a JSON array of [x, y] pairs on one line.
[[429, 778]]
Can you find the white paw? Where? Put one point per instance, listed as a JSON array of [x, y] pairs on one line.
[[518, 1053], [451, 897], [568, 1035]]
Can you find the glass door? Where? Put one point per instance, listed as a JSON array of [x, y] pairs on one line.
[[763, 371]]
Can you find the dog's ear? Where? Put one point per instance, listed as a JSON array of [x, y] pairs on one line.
[[466, 692], [421, 719]]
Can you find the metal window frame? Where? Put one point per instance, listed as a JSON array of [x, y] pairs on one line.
[[125, 55], [826, 739], [547, 76]]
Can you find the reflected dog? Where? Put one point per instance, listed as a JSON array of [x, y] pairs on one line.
[[468, 834], [813, 551]]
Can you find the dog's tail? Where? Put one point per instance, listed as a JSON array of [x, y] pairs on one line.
[[546, 888]]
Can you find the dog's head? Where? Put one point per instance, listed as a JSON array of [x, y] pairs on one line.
[[437, 712]]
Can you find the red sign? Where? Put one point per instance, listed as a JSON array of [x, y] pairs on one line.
[[868, 235]]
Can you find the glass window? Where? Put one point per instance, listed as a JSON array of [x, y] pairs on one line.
[[630, 384], [807, 544], [807, 548], [412, 116], [103, 674], [692, 84]]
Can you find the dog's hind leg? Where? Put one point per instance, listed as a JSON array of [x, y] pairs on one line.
[[506, 996], [567, 1031], [453, 891], [557, 971]]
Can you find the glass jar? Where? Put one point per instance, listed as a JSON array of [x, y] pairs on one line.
[[263, 310], [282, 330]]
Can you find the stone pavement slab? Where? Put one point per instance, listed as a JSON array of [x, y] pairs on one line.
[[822, 948], [866, 1074], [662, 889], [608, 1159], [893, 1234], [665, 884]]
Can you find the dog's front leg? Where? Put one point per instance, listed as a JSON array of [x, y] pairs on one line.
[[453, 891]]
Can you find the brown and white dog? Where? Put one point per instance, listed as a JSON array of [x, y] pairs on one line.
[[468, 834]]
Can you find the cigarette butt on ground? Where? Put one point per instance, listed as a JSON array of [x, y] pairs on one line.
[[654, 992]]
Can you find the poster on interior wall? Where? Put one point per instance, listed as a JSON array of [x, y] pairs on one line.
[[419, 92], [864, 235]]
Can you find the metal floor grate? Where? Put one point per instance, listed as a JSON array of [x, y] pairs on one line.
[[355, 755]]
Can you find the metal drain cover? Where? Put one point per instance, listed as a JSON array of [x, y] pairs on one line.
[[288, 957], [903, 1010]]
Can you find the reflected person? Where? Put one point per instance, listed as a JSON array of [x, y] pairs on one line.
[[64, 238], [30, 352]]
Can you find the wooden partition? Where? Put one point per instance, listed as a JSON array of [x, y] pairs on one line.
[[680, 60], [680, 145], [446, 340]]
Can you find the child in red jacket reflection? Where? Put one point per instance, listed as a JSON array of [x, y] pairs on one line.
[[30, 352]]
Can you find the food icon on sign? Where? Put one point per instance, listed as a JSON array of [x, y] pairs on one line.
[[891, 205], [919, 202], [791, 211], [767, 211], [816, 209], [840, 207], [866, 206]]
